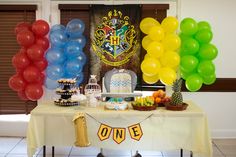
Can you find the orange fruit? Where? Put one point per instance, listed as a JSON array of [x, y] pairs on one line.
[[157, 100], [155, 94], [161, 93]]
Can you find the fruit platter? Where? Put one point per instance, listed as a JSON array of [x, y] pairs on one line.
[[160, 98], [144, 104]]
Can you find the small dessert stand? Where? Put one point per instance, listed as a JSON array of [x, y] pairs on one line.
[[66, 91]]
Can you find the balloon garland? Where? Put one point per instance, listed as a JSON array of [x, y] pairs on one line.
[[66, 58], [161, 44], [29, 61], [197, 54]]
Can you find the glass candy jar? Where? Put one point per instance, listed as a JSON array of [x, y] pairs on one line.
[[92, 91]]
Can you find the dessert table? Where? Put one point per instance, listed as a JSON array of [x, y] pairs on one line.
[[163, 130]]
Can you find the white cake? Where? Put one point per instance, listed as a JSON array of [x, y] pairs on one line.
[[113, 104]]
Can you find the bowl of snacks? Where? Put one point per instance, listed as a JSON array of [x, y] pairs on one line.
[[144, 103], [160, 98]]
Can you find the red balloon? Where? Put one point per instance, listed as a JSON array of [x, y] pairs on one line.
[[22, 95], [31, 74], [41, 65], [34, 91], [20, 61], [22, 26], [22, 50], [25, 38], [40, 28], [17, 83], [41, 79], [35, 52], [19, 71], [43, 42]]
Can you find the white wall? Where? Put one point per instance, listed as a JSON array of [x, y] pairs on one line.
[[220, 107]]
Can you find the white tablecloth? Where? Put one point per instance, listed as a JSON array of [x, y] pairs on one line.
[[162, 130]]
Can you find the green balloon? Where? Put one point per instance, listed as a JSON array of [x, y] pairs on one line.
[[188, 26], [204, 36], [206, 68], [207, 52], [188, 63], [203, 25], [190, 45], [185, 75], [208, 80], [183, 52], [183, 36], [194, 82]]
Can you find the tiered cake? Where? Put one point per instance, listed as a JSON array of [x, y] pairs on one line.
[[66, 90]]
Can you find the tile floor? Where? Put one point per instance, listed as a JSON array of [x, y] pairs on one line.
[[16, 147]]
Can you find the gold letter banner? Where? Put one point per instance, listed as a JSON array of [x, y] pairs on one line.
[[104, 132], [135, 131], [119, 134]]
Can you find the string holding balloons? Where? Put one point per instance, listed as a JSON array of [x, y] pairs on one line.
[[29, 61], [66, 57], [161, 44], [197, 54]]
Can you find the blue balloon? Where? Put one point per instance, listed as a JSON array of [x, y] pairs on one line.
[[55, 71], [72, 49], [75, 28], [57, 27], [58, 38], [55, 56], [72, 67], [70, 75], [81, 57], [51, 84], [81, 40], [79, 79]]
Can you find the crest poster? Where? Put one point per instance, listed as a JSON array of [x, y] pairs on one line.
[[115, 38]]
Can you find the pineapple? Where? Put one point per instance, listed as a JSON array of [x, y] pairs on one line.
[[176, 97]]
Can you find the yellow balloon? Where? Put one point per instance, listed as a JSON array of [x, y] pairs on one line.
[[170, 24], [150, 66], [147, 23], [171, 42], [146, 41], [170, 59], [151, 79], [156, 33], [155, 49], [167, 75], [147, 56]]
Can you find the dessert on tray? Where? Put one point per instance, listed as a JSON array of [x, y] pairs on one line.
[[66, 91], [116, 104]]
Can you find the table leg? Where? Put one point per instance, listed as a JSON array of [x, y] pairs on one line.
[[191, 153], [53, 151], [181, 152], [44, 151]]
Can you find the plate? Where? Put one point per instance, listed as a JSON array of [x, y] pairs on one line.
[[58, 103]]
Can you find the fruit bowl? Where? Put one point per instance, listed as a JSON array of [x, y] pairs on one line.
[[177, 107], [159, 104], [143, 108]]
